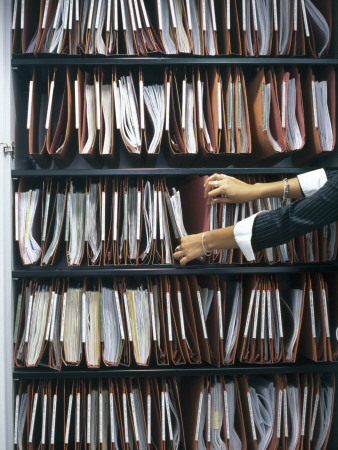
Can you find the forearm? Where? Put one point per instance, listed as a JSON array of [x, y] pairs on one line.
[[222, 238], [276, 189]]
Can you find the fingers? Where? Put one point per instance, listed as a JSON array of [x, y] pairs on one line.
[[178, 255], [215, 192], [184, 261], [215, 176], [222, 199]]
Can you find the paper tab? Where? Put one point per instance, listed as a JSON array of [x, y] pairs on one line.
[[285, 407], [279, 314], [125, 300], [143, 122], [314, 416], [295, 15], [209, 419], [275, 18], [258, 295], [76, 98], [119, 314], [108, 21], [244, 15], [213, 15], [125, 419], [132, 402], [205, 334], [155, 216], [230, 94], [170, 332], [184, 102], [78, 404], [188, 14], [138, 224], [89, 412], [251, 417], [200, 104], [116, 16], [263, 315], [171, 436], [163, 415], [254, 13], [152, 311], [49, 316], [45, 217], [226, 410], [220, 315], [180, 307], [97, 103], [314, 104], [219, 105], [63, 316], [90, 16], [132, 16], [199, 416], [15, 11], [204, 21], [239, 105], [67, 216], [159, 9], [145, 14], [30, 103], [312, 311], [101, 418], [84, 317], [52, 326], [31, 430], [304, 411], [29, 317], [57, 15], [268, 301], [117, 102], [306, 24], [103, 216], [326, 316], [16, 213], [160, 214], [172, 12], [283, 104], [112, 420], [246, 329], [22, 18], [98, 14], [148, 419], [228, 15], [279, 416], [167, 107], [16, 422], [70, 22], [52, 434], [44, 13], [116, 202], [77, 11]]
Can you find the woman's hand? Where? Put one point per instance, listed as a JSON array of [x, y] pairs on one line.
[[225, 189], [190, 248]]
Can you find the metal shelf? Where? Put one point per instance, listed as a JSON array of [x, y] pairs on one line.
[[156, 270], [62, 60], [176, 371], [168, 171]]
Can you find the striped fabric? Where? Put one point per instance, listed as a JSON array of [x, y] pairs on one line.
[[300, 217]]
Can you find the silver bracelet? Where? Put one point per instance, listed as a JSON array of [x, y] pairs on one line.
[[206, 252], [286, 189]]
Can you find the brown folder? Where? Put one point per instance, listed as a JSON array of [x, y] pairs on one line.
[[184, 317], [313, 43]]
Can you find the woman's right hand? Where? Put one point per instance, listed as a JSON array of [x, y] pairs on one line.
[[225, 189]]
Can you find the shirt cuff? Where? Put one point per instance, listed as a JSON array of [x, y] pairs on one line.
[[310, 182], [243, 235]]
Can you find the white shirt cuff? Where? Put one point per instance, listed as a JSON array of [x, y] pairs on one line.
[[310, 182], [243, 234]]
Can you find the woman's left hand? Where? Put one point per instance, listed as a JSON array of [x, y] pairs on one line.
[[190, 248]]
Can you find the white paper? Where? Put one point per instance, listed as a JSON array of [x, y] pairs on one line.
[[69, 412], [279, 314], [138, 224], [159, 8], [145, 14], [163, 415], [143, 122], [295, 16], [283, 104], [52, 434], [275, 18], [268, 301], [44, 13], [228, 15], [167, 107], [219, 105], [285, 407], [97, 103], [184, 102], [78, 406], [226, 410], [220, 321], [137, 437], [202, 314], [22, 21], [200, 104], [189, 14], [246, 329], [125, 418], [89, 408], [254, 13], [16, 212], [30, 101], [84, 317], [29, 317], [326, 317], [170, 331], [306, 24], [116, 200], [209, 419], [314, 416], [279, 416], [15, 10], [101, 418], [304, 411], [244, 15], [198, 416], [251, 417], [76, 97], [125, 299], [171, 436], [314, 104], [108, 21], [63, 316], [148, 419], [180, 307], [90, 16], [112, 422], [119, 314], [312, 311], [117, 102], [17, 404]]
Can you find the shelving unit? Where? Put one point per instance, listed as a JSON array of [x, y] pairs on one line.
[[23, 65]]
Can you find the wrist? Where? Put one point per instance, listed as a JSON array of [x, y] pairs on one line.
[[207, 241], [261, 190]]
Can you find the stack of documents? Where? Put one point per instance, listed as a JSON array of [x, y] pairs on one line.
[[207, 27]]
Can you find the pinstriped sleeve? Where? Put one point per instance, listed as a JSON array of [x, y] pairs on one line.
[[300, 217]]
